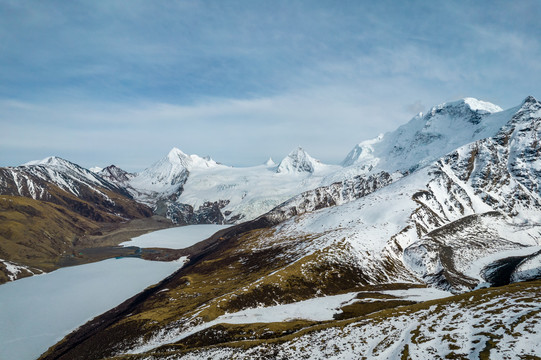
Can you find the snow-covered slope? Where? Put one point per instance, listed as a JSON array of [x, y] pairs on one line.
[[493, 324], [250, 192]]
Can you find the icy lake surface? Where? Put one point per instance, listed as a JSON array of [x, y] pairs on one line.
[[38, 311], [175, 238]]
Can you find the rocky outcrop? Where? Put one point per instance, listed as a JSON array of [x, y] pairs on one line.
[[335, 194], [184, 214]]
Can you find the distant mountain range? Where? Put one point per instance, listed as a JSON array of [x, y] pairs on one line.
[[450, 200], [189, 189]]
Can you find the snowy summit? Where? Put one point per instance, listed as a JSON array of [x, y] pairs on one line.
[[428, 136], [298, 161]]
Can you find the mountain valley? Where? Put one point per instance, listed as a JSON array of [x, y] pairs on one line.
[[424, 243]]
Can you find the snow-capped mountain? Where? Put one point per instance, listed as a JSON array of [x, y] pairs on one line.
[[190, 189], [160, 185], [426, 137], [65, 174], [62, 182], [116, 175], [167, 175], [440, 222], [484, 197], [249, 192], [270, 162], [161, 180]]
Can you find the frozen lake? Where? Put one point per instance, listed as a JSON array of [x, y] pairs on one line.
[[175, 238], [37, 312]]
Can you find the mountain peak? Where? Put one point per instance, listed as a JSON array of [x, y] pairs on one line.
[[171, 171], [426, 137], [177, 156], [529, 100], [53, 161], [298, 161], [463, 107], [115, 174], [298, 150], [270, 162], [479, 105], [45, 161]]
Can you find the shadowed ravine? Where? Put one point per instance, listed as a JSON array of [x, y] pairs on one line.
[[499, 272]]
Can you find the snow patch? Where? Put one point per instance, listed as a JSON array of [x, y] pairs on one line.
[[15, 269]]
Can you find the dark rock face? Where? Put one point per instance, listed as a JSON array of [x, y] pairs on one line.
[[184, 214], [499, 272], [115, 175]]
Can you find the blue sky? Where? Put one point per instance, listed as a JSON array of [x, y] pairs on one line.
[[102, 82]]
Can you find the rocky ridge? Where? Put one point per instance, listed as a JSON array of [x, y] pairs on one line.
[[47, 205]]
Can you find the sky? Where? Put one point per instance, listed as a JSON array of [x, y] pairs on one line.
[[103, 82]]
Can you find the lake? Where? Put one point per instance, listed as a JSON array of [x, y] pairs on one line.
[[175, 238], [37, 312]]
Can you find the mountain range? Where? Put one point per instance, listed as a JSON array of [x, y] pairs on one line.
[[450, 201]]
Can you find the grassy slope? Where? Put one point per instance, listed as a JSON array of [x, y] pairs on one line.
[[36, 233]]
